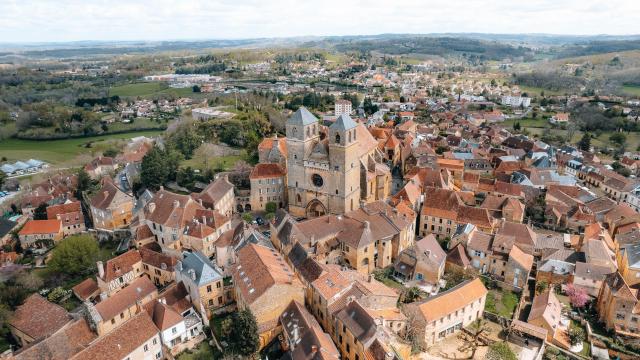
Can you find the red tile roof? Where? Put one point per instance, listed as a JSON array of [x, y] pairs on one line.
[[121, 341], [33, 227], [39, 318], [262, 171]]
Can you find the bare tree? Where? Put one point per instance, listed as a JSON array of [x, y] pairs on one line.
[[473, 338]]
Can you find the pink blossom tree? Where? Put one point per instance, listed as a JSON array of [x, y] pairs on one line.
[[577, 296]]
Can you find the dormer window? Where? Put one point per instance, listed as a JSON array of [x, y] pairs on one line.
[[337, 138]]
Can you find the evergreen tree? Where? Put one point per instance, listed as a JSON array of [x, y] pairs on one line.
[[241, 333], [585, 143], [40, 213]]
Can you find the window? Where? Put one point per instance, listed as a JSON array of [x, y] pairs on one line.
[[174, 330], [155, 341], [218, 284], [146, 347], [208, 288], [337, 138]]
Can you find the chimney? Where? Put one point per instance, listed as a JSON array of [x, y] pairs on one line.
[[369, 278], [161, 188], [152, 207], [200, 202], [366, 224], [179, 265], [100, 269], [389, 356], [106, 194], [314, 349], [176, 203], [204, 220]]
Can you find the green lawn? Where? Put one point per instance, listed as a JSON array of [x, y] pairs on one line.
[[631, 90], [501, 302], [62, 151], [535, 91], [527, 123], [202, 351], [147, 89]]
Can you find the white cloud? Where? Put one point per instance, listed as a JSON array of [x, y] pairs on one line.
[[68, 20]]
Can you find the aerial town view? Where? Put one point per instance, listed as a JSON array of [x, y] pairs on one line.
[[357, 180]]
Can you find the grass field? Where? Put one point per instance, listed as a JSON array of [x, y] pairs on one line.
[[501, 302], [631, 90], [147, 89], [62, 151], [535, 91], [527, 123], [202, 351]]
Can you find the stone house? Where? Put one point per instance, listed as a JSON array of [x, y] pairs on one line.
[[203, 281], [266, 285], [446, 313], [111, 208]]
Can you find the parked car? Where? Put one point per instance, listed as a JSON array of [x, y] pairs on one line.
[[260, 221]]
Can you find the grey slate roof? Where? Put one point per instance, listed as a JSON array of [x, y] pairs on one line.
[[204, 270], [344, 122], [302, 117]]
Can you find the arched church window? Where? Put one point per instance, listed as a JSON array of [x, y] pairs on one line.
[[337, 138], [354, 135], [298, 198], [315, 130], [308, 132], [349, 136]]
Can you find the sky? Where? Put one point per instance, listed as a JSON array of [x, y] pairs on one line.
[[75, 20]]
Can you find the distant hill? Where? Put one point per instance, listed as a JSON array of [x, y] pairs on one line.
[[598, 47], [442, 46]]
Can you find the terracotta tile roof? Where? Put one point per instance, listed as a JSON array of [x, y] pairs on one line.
[[454, 164], [121, 341], [257, 269], [103, 198], [125, 298], [215, 191], [511, 233], [331, 283], [264, 171], [267, 144], [143, 232], [296, 319], [163, 315], [360, 323], [170, 209], [176, 296], [158, 259], [70, 213], [392, 142], [39, 318], [63, 344], [33, 227], [458, 256], [454, 299], [517, 255], [546, 307], [87, 288], [100, 161], [121, 264]]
